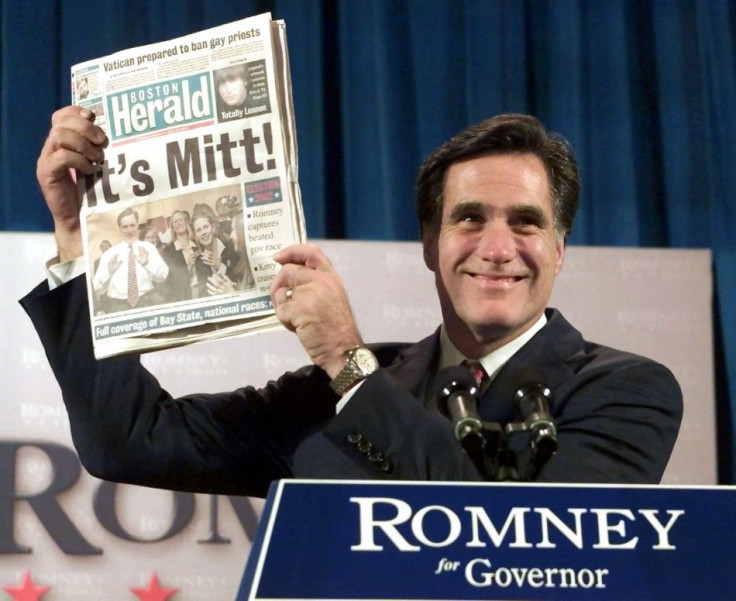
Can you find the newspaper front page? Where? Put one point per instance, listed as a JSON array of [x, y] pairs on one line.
[[198, 190]]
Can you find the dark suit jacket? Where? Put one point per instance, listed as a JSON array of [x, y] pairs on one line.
[[178, 283], [617, 414], [230, 259]]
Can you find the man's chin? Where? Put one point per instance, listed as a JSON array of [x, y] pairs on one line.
[[492, 326]]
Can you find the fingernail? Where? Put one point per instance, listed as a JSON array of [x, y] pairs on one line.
[[86, 113]]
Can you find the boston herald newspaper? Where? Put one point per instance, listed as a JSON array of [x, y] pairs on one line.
[[198, 189]]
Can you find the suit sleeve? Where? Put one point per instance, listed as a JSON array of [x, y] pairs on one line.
[[156, 266], [388, 433], [126, 428], [617, 422]]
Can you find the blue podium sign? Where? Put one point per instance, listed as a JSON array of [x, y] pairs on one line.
[[350, 540]]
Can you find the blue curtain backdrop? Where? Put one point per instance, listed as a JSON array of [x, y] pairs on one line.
[[644, 89]]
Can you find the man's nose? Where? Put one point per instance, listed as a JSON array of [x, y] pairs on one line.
[[497, 244]]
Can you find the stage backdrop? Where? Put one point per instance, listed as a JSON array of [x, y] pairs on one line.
[[645, 91], [87, 539]]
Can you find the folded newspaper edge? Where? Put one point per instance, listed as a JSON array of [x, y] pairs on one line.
[[198, 190]]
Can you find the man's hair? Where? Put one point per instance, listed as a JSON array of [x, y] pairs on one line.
[[230, 73], [203, 210], [127, 213], [503, 134]]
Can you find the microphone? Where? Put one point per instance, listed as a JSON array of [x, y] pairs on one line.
[[531, 401], [458, 394]]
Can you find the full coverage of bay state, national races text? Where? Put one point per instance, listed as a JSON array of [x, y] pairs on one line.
[[198, 190]]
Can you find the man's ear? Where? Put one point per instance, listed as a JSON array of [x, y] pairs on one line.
[[560, 251], [429, 244]]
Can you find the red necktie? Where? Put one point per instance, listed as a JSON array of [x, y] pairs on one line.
[[476, 369], [132, 279]]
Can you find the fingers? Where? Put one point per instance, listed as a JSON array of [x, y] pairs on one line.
[[74, 142], [308, 255], [142, 255], [300, 263], [207, 258], [80, 122], [298, 291], [219, 284], [309, 299], [282, 294], [71, 111]]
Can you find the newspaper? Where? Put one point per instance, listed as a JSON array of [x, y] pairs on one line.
[[198, 189]]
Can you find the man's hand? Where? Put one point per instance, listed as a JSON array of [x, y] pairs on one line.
[[211, 259], [220, 284], [142, 255], [74, 143], [318, 311], [113, 264], [190, 257]]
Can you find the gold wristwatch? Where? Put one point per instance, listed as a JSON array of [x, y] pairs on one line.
[[361, 363]]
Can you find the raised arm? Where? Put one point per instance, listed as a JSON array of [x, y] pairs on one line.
[[74, 143]]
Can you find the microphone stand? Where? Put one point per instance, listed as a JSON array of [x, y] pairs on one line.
[[499, 463]]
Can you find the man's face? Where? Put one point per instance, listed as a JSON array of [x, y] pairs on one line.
[[233, 91], [203, 231], [129, 229], [496, 254]]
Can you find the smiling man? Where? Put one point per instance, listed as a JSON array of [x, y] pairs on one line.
[[495, 203], [497, 251], [129, 270]]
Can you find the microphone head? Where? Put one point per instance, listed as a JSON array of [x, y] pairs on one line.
[[454, 378], [528, 380], [531, 401], [528, 376]]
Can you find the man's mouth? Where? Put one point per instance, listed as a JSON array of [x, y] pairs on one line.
[[496, 280]]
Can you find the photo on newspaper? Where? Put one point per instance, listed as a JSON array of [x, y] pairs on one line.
[[198, 190]]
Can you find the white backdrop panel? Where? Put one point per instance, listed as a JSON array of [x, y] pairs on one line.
[[650, 301]]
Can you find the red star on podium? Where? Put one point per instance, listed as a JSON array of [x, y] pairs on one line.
[[27, 591], [154, 592]]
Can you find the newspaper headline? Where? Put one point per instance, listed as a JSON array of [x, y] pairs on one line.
[[198, 189]]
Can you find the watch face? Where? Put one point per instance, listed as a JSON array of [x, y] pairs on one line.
[[365, 360]]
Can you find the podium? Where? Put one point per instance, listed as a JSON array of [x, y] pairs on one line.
[[370, 540]]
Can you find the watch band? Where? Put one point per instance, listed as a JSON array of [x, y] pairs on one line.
[[360, 364]]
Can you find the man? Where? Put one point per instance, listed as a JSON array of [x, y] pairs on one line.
[[105, 245], [129, 270], [82, 88], [235, 99], [495, 204]]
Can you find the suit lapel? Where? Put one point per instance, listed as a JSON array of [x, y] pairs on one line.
[[551, 350], [411, 367]]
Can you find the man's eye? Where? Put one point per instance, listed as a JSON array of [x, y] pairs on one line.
[[527, 221]]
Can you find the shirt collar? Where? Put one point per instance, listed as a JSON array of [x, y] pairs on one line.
[[495, 360], [178, 245]]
